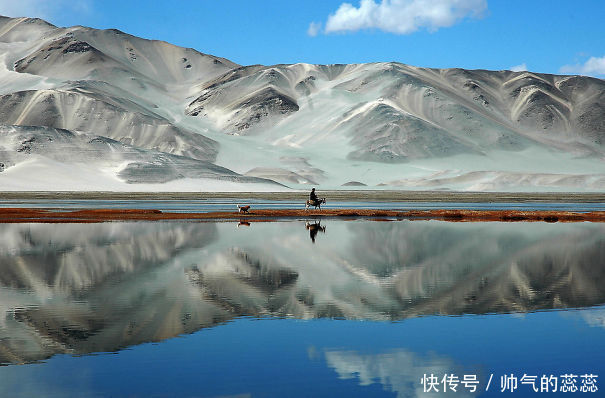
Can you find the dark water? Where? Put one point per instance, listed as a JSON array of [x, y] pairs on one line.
[[297, 309]]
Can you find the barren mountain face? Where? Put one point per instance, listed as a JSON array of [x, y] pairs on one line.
[[380, 124]]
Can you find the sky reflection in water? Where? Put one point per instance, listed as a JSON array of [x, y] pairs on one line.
[[372, 295]]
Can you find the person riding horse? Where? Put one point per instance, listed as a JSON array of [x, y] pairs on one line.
[[314, 200], [313, 196]]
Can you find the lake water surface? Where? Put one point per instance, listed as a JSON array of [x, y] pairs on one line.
[[301, 309], [229, 204]]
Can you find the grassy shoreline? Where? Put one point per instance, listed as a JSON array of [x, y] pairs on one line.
[[341, 195], [20, 215]]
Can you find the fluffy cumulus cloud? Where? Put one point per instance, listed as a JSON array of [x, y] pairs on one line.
[[519, 68], [594, 66], [403, 16], [46, 9]]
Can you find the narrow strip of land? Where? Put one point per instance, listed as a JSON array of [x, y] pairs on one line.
[[332, 196], [25, 215]]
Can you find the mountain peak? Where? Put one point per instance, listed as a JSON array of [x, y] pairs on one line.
[[392, 124]]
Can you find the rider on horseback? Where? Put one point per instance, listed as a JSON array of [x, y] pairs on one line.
[[314, 200], [313, 197]]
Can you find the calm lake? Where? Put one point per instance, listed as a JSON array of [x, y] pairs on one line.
[[302, 309]]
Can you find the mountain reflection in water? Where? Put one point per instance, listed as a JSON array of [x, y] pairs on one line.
[[84, 288]]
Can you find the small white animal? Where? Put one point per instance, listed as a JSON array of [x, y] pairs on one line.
[[243, 209]]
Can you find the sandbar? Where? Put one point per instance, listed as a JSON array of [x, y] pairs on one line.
[[29, 215]]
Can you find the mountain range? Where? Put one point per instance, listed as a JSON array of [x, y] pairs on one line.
[[88, 109]]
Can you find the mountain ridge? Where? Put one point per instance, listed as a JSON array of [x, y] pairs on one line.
[[382, 124]]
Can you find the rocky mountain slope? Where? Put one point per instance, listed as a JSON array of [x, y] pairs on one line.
[[382, 124]]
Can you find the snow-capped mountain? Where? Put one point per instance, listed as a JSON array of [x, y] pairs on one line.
[[382, 124]]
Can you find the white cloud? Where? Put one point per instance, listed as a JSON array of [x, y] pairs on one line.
[[399, 371], [403, 16], [45, 9], [595, 317], [519, 68], [314, 28], [594, 66], [24, 8]]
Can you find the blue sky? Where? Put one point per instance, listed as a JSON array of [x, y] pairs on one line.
[[551, 36]]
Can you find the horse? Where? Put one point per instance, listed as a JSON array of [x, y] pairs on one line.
[[316, 203]]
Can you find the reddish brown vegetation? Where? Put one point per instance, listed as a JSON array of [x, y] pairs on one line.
[[101, 215]]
